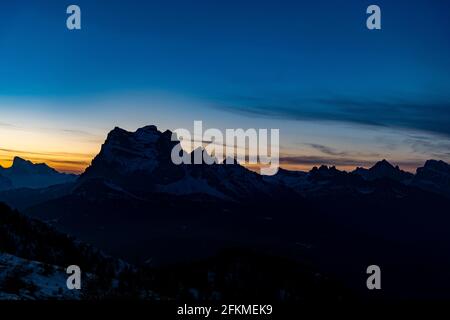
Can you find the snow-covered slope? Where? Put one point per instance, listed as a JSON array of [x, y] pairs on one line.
[[22, 279], [34, 257]]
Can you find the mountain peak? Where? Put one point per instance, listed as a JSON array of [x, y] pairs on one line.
[[434, 176], [149, 128], [117, 129], [125, 153], [20, 164], [383, 169], [20, 161], [383, 164], [26, 174], [437, 165], [325, 172], [148, 133]]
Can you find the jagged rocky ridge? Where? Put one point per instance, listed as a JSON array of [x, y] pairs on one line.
[[323, 180], [138, 164]]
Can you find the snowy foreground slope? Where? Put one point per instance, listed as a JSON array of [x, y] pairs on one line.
[[34, 258], [23, 279]]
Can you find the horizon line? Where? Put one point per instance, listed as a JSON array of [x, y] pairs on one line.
[[285, 165]]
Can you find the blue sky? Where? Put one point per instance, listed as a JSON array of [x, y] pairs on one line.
[[339, 92]]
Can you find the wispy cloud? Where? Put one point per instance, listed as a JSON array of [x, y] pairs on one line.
[[330, 151], [430, 116], [437, 148], [7, 125], [327, 150], [69, 131], [318, 160]]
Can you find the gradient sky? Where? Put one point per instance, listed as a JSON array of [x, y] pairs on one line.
[[340, 93]]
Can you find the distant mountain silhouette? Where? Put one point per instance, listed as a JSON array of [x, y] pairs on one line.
[[5, 183], [25, 174], [137, 164], [433, 176], [384, 170], [134, 203], [381, 178]]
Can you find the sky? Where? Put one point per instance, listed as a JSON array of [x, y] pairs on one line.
[[339, 93]]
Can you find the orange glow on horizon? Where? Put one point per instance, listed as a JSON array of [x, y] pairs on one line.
[[75, 164]]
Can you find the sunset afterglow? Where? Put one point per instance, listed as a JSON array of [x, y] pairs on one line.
[[384, 98]]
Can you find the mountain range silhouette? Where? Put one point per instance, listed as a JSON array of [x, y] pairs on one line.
[[25, 174], [135, 204]]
